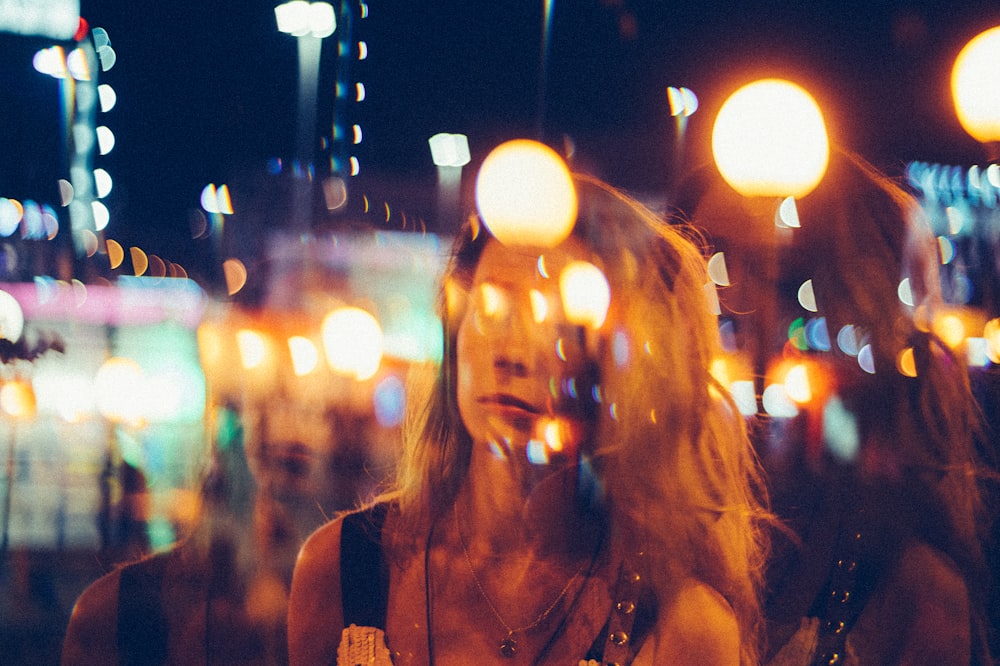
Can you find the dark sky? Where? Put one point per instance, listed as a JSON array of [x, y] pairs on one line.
[[207, 88]]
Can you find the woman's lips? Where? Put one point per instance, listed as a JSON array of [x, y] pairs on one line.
[[506, 402]]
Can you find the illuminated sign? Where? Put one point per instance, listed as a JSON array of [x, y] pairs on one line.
[[57, 19]]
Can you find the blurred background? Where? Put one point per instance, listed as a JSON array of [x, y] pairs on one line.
[[215, 223]]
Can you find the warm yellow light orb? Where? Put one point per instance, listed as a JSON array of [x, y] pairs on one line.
[[585, 294], [975, 86], [305, 356], [252, 348], [770, 140], [17, 398], [119, 390], [525, 194], [352, 340]]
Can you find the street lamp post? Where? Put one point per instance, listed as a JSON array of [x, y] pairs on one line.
[[309, 23], [770, 145], [450, 152]]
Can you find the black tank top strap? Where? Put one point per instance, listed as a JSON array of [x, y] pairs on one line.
[[633, 611], [364, 577]]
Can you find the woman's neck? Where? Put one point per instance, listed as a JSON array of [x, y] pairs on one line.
[[507, 505]]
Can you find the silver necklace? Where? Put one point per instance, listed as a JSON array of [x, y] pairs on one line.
[[508, 645]]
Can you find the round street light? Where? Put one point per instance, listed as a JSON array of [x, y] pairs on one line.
[[525, 194], [770, 140], [975, 86]]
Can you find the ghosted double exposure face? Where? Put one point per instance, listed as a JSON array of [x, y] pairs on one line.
[[524, 378]]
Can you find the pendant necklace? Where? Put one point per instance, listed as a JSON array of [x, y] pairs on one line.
[[508, 645]]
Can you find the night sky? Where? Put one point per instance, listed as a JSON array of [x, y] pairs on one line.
[[207, 89]]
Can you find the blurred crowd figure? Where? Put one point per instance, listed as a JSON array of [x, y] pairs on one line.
[[123, 522], [880, 479], [219, 595], [569, 492]]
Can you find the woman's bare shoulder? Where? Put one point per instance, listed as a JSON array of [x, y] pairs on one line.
[[323, 542], [315, 611], [317, 568], [697, 626], [92, 633]]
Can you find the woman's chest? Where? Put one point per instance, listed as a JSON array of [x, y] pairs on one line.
[[444, 616]]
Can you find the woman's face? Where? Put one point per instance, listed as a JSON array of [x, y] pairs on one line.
[[524, 381]]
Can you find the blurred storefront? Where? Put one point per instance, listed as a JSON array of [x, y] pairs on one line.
[[115, 397]]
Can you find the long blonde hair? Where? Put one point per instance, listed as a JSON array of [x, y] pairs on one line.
[[861, 235], [677, 469]]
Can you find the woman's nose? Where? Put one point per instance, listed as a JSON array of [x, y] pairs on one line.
[[505, 365]]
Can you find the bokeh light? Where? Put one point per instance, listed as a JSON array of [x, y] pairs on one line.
[[107, 96], [797, 384], [10, 215], [788, 214], [683, 101], [352, 341], [975, 86], [69, 395], [77, 65], [950, 328], [539, 306], [102, 216], [105, 140], [525, 194], [300, 18], [305, 356], [840, 430], [797, 334], [252, 347], [118, 390], [770, 140], [847, 340], [817, 334], [991, 333], [103, 181], [905, 292], [51, 61], [449, 150], [389, 401], [947, 250], [66, 192], [11, 318], [866, 359], [585, 294], [236, 275], [140, 262], [807, 296], [17, 399], [157, 267], [717, 270], [776, 402], [116, 253], [745, 396], [905, 363]]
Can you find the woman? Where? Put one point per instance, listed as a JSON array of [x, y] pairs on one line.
[[878, 474], [570, 492], [219, 595]]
